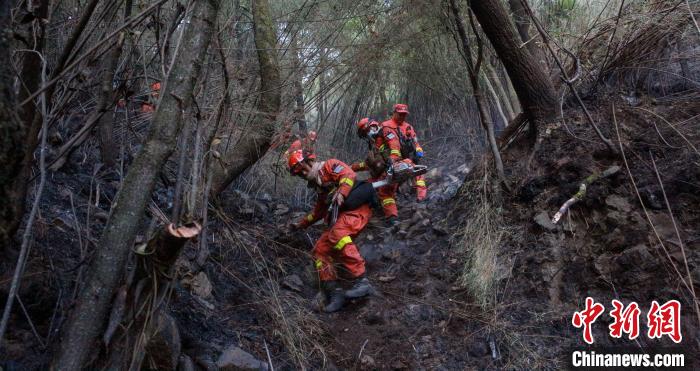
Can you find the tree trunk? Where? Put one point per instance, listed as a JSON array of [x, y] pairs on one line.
[[253, 144], [502, 93], [485, 116], [34, 37], [532, 85], [92, 306], [522, 23], [108, 148], [12, 133], [298, 73]]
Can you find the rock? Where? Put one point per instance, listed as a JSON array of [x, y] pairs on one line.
[[386, 278], [543, 220], [234, 358], [604, 264], [163, 349], [199, 285], [637, 256], [663, 225], [478, 349], [281, 210], [367, 362], [618, 203], [419, 312], [293, 282], [439, 230], [374, 318], [185, 364]]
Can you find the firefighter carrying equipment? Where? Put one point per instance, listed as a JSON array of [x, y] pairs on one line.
[[336, 243]]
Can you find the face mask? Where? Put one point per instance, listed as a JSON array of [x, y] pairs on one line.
[[373, 131]]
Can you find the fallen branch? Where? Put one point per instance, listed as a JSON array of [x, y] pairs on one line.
[[582, 191]]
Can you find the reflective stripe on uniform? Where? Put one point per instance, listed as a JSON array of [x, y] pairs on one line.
[[381, 148], [396, 152], [388, 201], [310, 217], [343, 241], [347, 181], [318, 263], [420, 183]]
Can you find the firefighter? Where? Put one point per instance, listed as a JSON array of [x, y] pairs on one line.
[[410, 148], [333, 181], [385, 149], [308, 144], [149, 105]]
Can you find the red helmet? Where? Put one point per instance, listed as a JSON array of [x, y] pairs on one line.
[[312, 135], [364, 125], [296, 158], [401, 108]]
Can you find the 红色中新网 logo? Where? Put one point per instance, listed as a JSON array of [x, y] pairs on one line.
[[661, 320]]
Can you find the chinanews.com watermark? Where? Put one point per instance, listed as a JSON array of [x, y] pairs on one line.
[[660, 320]]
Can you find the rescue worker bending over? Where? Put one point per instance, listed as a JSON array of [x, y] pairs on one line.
[[410, 148], [333, 181], [385, 149]]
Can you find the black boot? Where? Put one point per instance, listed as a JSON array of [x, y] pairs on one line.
[[336, 295], [361, 288]]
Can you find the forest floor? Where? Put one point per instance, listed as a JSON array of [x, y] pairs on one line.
[[252, 287]]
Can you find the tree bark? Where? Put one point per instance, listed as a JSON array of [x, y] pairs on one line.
[[485, 116], [522, 23], [88, 318], [33, 34], [253, 144], [532, 85], [12, 134], [298, 73], [108, 148]]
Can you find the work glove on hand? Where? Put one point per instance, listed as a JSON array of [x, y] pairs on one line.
[[338, 199]]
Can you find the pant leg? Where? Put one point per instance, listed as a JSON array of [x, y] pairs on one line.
[[323, 260], [421, 188], [349, 225], [387, 196]]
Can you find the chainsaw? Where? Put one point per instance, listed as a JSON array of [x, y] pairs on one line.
[[400, 172], [396, 173]]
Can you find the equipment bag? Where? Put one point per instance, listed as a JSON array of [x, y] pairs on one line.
[[362, 193]]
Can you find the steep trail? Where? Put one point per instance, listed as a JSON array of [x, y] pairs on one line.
[[418, 317]]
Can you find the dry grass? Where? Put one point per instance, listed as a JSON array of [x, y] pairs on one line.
[[480, 237], [293, 321]]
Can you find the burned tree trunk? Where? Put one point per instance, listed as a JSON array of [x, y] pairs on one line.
[[11, 134], [522, 23], [88, 318], [33, 37], [532, 85], [473, 68], [253, 143]]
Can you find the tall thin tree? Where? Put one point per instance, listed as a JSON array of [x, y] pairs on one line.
[[88, 317]]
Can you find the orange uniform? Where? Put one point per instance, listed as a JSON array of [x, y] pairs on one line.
[[335, 244], [389, 147], [409, 135], [306, 144]]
